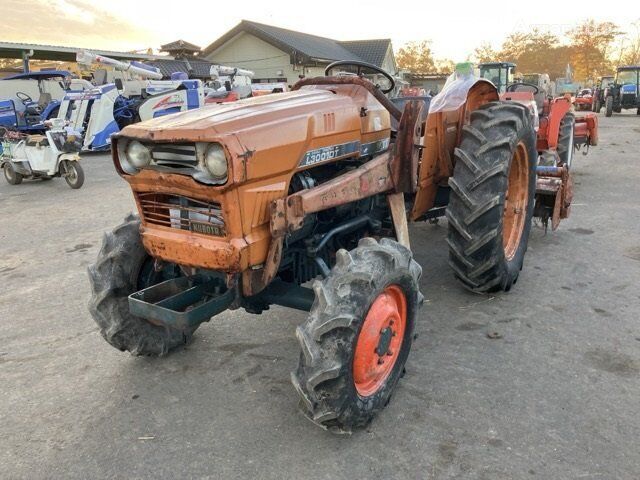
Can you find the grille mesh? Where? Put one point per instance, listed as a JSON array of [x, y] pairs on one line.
[[183, 213]]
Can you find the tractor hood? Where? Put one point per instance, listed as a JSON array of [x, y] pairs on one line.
[[237, 117]]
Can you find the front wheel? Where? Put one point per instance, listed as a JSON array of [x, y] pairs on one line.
[[122, 268], [10, 174], [358, 335], [492, 191], [72, 173], [608, 106]]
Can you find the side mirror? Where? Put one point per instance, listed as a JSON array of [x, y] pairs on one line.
[[119, 84]]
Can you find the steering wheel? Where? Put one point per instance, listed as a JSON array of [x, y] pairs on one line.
[[514, 87], [360, 66], [24, 98]]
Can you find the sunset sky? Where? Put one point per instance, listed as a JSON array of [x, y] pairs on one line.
[[455, 27]]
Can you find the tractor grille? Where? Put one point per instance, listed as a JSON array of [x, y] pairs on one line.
[[183, 213], [181, 157]]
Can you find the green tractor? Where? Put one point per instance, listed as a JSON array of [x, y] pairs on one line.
[[501, 74]]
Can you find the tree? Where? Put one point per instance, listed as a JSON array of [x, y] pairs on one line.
[[591, 43], [416, 57], [630, 47], [445, 66], [486, 53]]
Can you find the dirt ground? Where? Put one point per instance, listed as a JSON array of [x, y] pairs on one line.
[[557, 397]]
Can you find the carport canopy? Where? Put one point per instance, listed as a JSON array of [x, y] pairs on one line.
[[29, 51]]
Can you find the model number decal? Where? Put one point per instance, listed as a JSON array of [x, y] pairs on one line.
[[325, 154]]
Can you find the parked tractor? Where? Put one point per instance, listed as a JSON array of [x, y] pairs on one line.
[[241, 205], [625, 92], [501, 74], [583, 100], [19, 111], [599, 92]]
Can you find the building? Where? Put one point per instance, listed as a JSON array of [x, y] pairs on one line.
[[281, 55], [183, 57]]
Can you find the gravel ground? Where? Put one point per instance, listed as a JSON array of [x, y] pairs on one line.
[[556, 397]]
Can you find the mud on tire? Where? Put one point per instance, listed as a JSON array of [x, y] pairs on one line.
[[115, 275], [565, 139], [325, 378], [476, 210]]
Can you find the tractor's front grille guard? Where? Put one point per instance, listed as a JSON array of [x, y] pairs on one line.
[[173, 156], [182, 213]]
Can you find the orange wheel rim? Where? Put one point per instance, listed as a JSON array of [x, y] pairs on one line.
[[379, 341], [515, 201]]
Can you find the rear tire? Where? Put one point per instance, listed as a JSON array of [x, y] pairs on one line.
[[608, 106], [118, 272], [488, 235], [566, 149], [333, 392], [10, 174]]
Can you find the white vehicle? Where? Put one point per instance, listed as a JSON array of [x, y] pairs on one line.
[[53, 154], [99, 112]]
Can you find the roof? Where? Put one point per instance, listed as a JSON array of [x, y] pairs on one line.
[[371, 51], [629, 67], [195, 68], [496, 64], [179, 45], [41, 75], [311, 47], [64, 54]]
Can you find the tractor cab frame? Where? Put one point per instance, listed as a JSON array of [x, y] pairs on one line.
[[625, 92], [501, 74]]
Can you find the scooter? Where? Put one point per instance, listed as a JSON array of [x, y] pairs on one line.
[[53, 154]]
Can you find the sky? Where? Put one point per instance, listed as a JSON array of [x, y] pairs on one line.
[[454, 27]]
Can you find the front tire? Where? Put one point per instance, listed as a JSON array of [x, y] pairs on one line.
[[122, 268], [10, 174], [73, 174], [608, 106], [492, 197], [358, 335]]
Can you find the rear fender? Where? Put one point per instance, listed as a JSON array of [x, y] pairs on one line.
[[442, 136]]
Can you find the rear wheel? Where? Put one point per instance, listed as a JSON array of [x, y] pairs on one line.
[[492, 191], [565, 140], [122, 268], [10, 174], [608, 106], [358, 335]]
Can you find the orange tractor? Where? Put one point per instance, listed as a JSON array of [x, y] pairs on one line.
[[242, 205], [559, 133]]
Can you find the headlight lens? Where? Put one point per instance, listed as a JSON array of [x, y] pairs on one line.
[[216, 161], [138, 155]]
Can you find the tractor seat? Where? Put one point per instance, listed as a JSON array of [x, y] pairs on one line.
[[37, 141]]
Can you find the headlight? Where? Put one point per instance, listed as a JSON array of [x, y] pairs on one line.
[[138, 155], [216, 161]]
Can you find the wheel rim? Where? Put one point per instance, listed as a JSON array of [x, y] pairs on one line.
[[380, 341], [8, 172], [515, 201], [72, 175]]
